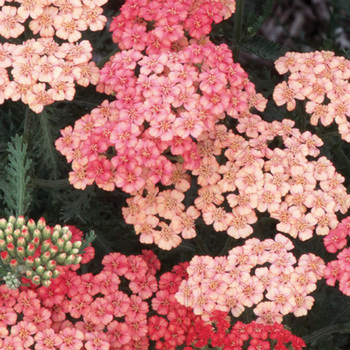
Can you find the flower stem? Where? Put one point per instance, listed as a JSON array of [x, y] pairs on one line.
[[237, 29]]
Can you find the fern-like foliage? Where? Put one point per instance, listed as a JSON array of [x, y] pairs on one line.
[[15, 182], [44, 145], [261, 47]]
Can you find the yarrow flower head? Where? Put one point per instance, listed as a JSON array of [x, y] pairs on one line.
[[317, 77]]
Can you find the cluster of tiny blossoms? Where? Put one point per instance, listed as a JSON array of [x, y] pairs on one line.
[[238, 178], [238, 281], [339, 269], [323, 79], [122, 307], [64, 18], [40, 71]]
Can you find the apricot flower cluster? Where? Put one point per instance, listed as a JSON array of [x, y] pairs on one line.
[[40, 71], [239, 281], [322, 79], [35, 250], [65, 19]]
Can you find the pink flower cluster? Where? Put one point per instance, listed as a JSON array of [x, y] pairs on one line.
[[158, 26], [323, 79], [64, 18], [238, 281], [40, 71], [339, 269], [111, 310]]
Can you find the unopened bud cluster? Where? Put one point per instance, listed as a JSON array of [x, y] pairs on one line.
[[34, 250]]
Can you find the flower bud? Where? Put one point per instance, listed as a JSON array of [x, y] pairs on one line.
[[53, 250], [13, 263], [36, 280], [3, 224], [69, 260], [29, 261], [45, 245], [77, 260], [31, 248], [20, 222], [51, 265], [21, 242], [2, 244], [31, 225], [29, 274], [40, 270], [74, 251], [41, 224], [55, 236], [61, 258], [5, 257], [11, 249], [16, 233], [46, 232], [9, 229], [37, 233], [67, 236], [25, 233], [2, 235], [37, 262], [60, 244], [36, 241], [55, 274], [12, 220], [9, 239], [77, 244], [46, 283], [21, 252], [47, 275], [68, 247], [45, 257]]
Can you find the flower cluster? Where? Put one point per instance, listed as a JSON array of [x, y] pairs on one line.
[[240, 177], [339, 269], [40, 71], [35, 250], [110, 311], [323, 79], [238, 281], [65, 19]]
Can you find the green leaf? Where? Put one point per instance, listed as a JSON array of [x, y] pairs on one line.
[[16, 183]]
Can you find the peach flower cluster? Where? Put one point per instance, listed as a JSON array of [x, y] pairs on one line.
[[64, 18], [240, 178], [259, 273], [322, 79], [41, 71]]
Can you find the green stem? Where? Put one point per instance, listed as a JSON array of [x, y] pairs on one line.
[[237, 30], [61, 183]]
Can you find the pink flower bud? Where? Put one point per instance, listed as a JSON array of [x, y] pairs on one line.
[[13, 263], [29, 261], [46, 232], [25, 233], [5, 257], [31, 225], [20, 222], [20, 251], [36, 280], [21, 242], [3, 224], [41, 224], [45, 257], [51, 265], [31, 248]]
